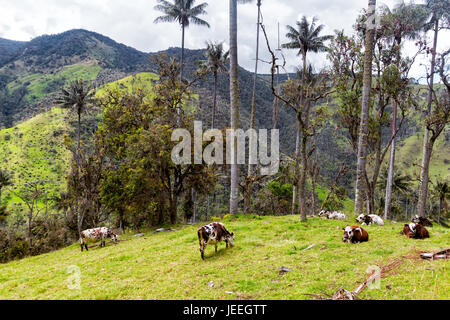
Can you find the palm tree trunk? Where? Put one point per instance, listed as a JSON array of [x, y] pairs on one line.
[[304, 168], [426, 153], [234, 105], [250, 170], [255, 78], [297, 143], [275, 102], [213, 122], [79, 130], [182, 52], [364, 126], [297, 163], [387, 205]]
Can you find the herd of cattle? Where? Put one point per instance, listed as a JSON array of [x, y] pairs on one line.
[[215, 232]]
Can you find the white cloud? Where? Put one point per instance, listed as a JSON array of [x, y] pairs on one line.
[[131, 23]]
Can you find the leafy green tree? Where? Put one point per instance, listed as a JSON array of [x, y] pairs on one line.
[[184, 12], [142, 184]]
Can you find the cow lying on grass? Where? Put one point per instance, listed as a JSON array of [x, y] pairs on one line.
[[96, 235], [369, 219], [421, 220], [336, 215], [355, 235], [415, 231], [214, 233]]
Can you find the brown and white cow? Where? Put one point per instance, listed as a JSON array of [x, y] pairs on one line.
[[96, 235], [355, 235], [214, 233], [421, 220], [415, 231]]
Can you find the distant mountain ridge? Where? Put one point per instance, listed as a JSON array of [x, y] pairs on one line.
[[33, 72]]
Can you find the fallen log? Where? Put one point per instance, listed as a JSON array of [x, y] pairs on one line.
[[344, 294], [436, 255], [167, 230]]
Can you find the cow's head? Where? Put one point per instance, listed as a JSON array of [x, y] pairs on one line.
[[113, 236], [348, 234], [416, 219], [360, 218], [409, 230], [322, 213], [230, 239]]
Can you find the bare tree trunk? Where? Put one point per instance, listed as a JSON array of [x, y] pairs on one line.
[[302, 182], [173, 208], [297, 157], [249, 183], [297, 142], [439, 212], [423, 187], [213, 122], [182, 52], [426, 154], [364, 126], [390, 178], [304, 169], [234, 105], [275, 101]]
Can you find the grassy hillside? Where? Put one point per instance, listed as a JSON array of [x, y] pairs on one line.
[[409, 156], [34, 150], [168, 265], [40, 84]]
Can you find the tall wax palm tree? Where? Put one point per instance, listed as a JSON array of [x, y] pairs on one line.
[[77, 97], [404, 22], [250, 170], [184, 12], [234, 102], [442, 191], [439, 10], [215, 63], [306, 38], [5, 181], [364, 124]]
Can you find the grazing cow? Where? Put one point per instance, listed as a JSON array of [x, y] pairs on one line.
[[214, 233], [95, 235], [415, 231], [421, 220], [355, 235], [369, 219]]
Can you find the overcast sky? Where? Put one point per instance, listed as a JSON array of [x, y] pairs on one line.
[[131, 22]]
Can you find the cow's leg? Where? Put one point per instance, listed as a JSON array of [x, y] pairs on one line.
[[202, 249], [216, 247], [226, 242], [86, 247], [202, 252]]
